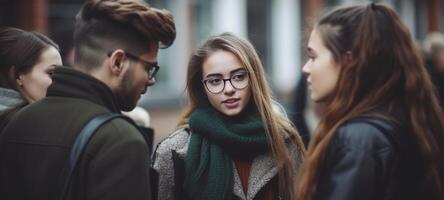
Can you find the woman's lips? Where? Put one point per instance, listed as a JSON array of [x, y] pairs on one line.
[[231, 103]]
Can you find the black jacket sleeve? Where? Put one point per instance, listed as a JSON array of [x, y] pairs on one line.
[[358, 160]]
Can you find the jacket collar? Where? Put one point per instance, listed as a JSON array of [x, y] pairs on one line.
[[68, 82], [9, 98], [263, 170]]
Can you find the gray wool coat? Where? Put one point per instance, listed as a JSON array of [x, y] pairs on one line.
[[263, 169]]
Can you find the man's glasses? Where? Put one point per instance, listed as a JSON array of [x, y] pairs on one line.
[[150, 68], [217, 85]]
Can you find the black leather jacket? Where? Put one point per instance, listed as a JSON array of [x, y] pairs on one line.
[[370, 158]]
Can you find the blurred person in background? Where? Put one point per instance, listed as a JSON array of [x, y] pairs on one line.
[[433, 47], [382, 135], [232, 132], [139, 115], [27, 60]]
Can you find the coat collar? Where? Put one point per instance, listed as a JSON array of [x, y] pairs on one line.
[[68, 82], [9, 98], [263, 170]]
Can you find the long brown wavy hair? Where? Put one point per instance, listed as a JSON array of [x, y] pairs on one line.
[[384, 70], [274, 122]]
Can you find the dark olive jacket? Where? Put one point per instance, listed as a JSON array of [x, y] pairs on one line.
[[370, 158], [36, 143]]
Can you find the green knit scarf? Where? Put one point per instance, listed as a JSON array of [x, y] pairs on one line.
[[215, 139]]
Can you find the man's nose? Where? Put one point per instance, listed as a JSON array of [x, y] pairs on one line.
[[151, 82]]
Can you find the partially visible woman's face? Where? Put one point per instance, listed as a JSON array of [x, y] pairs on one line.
[[34, 83], [321, 70], [218, 69]]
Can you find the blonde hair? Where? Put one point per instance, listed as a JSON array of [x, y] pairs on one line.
[[275, 123]]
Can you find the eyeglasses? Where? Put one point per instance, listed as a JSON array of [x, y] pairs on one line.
[[217, 85], [150, 68]]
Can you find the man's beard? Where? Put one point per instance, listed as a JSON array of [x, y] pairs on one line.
[[123, 93]]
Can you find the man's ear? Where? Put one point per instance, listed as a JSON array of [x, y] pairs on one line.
[[116, 60]]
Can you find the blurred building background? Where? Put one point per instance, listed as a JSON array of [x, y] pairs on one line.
[[277, 28]]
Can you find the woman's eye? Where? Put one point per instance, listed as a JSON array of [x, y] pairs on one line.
[[311, 57], [238, 77], [215, 81], [50, 71]]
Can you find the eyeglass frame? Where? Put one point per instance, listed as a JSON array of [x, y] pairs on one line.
[[147, 65], [204, 82]]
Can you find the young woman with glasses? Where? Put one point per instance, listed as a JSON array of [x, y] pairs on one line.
[[233, 142]]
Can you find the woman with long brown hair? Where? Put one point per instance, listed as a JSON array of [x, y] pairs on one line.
[[233, 142], [382, 134]]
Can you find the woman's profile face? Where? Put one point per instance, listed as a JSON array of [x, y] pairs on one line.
[[226, 82], [321, 70], [33, 84]]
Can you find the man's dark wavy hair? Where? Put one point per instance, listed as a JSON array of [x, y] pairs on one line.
[[105, 25]]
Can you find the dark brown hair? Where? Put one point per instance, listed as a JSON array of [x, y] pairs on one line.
[[384, 70], [106, 25], [20, 49]]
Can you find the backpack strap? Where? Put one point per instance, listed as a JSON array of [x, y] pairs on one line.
[[82, 140]]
